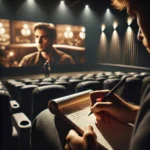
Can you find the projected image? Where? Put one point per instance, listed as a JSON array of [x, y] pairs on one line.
[[24, 43]]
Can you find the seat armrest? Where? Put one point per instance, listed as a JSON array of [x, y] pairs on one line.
[[14, 106], [23, 127]]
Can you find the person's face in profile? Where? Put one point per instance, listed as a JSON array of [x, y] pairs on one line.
[[43, 42], [141, 12]]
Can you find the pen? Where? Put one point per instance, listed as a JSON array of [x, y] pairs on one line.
[[117, 86]]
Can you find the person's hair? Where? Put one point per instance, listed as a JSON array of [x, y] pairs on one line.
[[48, 28], [120, 4]]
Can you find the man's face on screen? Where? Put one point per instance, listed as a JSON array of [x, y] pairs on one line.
[[42, 40]]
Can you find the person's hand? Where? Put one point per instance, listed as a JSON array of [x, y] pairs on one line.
[[85, 142], [115, 107]]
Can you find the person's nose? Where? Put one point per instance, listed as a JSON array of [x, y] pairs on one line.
[[39, 40], [140, 36]]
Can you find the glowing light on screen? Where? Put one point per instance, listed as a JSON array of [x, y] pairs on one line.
[[82, 33], [11, 53], [25, 31], [68, 33], [2, 29], [83, 29]]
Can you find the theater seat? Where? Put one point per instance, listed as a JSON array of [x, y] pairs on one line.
[[14, 134], [131, 90], [25, 97], [5, 119], [73, 84], [87, 85], [41, 133], [110, 83], [41, 96]]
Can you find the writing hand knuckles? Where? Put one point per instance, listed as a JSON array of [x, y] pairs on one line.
[[70, 136], [88, 136]]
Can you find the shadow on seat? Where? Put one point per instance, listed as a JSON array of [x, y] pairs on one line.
[[25, 97], [5, 117], [131, 91], [41, 96]]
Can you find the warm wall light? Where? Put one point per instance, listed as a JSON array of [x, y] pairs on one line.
[[2, 29], [62, 2], [86, 6], [103, 27], [108, 10], [129, 20], [115, 24]]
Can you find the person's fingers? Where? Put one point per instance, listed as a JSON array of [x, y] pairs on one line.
[[72, 135], [102, 106], [102, 116], [89, 133], [88, 129], [67, 147], [97, 94], [90, 137]]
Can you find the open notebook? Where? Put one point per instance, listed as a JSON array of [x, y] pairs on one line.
[[74, 109]]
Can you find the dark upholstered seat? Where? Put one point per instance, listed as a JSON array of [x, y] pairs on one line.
[[41, 96], [87, 85], [131, 90], [5, 117], [110, 83], [25, 97]]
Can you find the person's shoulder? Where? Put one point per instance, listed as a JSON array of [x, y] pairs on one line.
[[60, 53], [28, 56], [63, 57]]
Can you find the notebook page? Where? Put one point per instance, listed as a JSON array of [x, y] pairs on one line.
[[112, 135]]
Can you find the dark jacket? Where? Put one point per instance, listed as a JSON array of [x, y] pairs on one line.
[[58, 57], [141, 135]]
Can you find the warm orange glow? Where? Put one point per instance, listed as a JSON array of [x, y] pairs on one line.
[[25, 31], [2, 29], [103, 27], [115, 24], [129, 20], [11, 53]]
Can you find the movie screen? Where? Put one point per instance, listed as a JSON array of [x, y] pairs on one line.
[[24, 43]]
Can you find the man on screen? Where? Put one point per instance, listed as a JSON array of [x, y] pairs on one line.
[[45, 37]]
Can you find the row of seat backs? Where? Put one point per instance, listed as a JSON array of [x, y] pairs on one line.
[[33, 98]]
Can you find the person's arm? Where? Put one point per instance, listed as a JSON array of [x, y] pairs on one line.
[[115, 107], [85, 142]]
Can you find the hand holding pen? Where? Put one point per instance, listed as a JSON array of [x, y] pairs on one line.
[[110, 93], [113, 106]]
